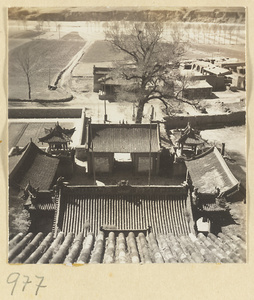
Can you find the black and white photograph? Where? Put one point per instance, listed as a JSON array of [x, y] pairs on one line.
[[127, 135]]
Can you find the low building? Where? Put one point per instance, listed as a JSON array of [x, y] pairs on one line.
[[140, 142], [197, 90], [109, 87]]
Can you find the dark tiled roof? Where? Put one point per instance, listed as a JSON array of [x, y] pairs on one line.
[[125, 138], [35, 166], [126, 248], [190, 137], [57, 134], [209, 171], [193, 141], [14, 158], [41, 173], [164, 213]]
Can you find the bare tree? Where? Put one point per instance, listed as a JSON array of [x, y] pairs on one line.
[[231, 28], [59, 29], [24, 22], [27, 62], [215, 29], [151, 65]]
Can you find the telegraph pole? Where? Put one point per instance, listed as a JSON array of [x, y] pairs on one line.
[[105, 112], [150, 145]]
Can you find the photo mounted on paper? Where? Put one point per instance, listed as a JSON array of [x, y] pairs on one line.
[[127, 135]]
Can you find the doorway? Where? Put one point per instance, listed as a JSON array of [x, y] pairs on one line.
[[123, 164]]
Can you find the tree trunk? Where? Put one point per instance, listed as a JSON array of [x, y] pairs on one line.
[[140, 110], [29, 87]]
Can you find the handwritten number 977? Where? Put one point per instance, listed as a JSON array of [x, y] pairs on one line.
[[13, 278]]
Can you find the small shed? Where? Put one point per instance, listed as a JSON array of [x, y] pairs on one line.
[[140, 141], [110, 85], [200, 89]]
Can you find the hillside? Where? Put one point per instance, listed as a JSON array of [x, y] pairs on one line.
[[212, 15]]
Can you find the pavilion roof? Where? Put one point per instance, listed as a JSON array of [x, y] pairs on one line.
[[190, 137], [57, 135]]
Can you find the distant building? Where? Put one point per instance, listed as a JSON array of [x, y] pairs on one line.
[[197, 90], [98, 73], [105, 84]]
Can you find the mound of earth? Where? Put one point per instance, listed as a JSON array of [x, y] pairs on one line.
[[72, 36]]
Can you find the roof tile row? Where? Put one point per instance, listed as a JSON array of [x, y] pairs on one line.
[[123, 248]]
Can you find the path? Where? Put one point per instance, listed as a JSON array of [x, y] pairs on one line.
[[65, 77]]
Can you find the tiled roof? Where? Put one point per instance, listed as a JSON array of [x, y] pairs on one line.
[[163, 212], [209, 171], [125, 138], [57, 134], [190, 137], [126, 248], [35, 166], [14, 158]]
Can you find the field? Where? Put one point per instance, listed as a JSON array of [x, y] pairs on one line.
[[206, 50], [49, 57], [17, 38], [101, 51]]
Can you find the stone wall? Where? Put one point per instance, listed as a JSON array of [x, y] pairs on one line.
[[206, 121]]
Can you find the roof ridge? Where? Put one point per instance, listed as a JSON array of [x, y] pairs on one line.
[[201, 155], [225, 166]]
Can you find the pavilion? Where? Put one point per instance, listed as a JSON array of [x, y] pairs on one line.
[[187, 139], [58, 138]]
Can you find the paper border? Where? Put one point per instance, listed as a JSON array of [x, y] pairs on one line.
[[166, 281]]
